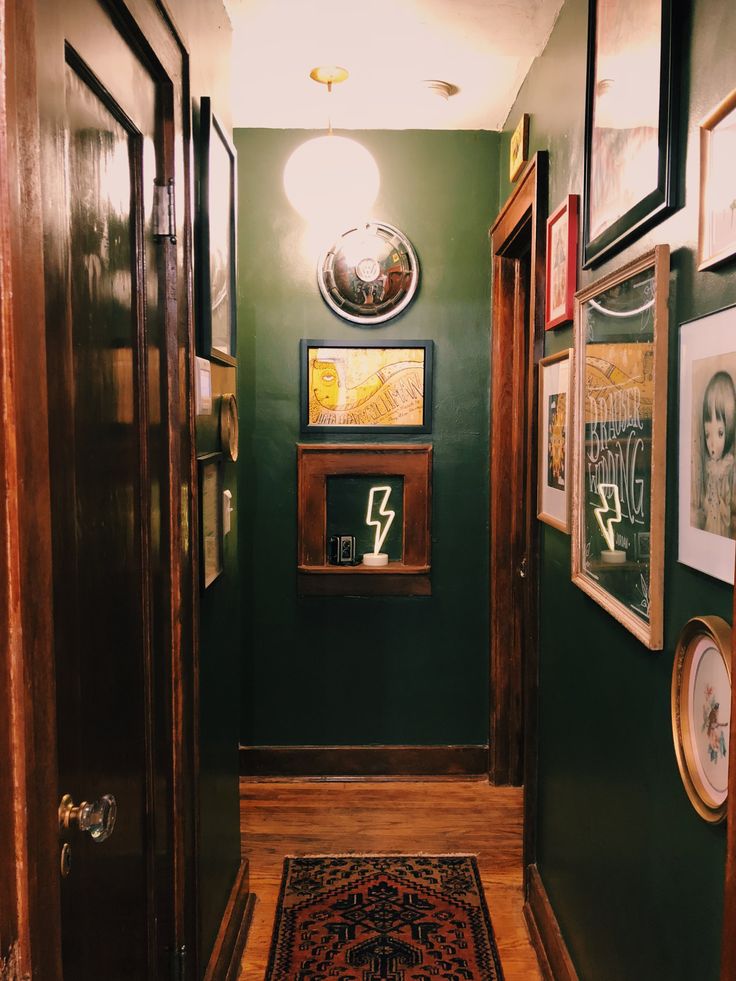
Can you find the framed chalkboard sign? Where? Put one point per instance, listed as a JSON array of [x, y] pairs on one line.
[[620, 416]]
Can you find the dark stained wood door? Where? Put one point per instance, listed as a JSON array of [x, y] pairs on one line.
[[107, 288], [517, 242]]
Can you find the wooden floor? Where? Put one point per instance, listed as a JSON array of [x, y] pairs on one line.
[[312, 818]]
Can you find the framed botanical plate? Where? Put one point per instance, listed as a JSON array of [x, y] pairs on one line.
[[701, 713]]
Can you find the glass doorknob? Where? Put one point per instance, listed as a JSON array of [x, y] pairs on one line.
[[97, 818]]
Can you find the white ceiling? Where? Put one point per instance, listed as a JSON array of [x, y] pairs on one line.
[[483, 47]]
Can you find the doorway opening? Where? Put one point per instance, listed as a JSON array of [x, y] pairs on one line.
[[518, 256]]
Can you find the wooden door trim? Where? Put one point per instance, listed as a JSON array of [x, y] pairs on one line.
[[27, 657], [519, 228], [554, 958]]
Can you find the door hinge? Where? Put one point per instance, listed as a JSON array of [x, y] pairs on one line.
[[164, 214], [179, 963]]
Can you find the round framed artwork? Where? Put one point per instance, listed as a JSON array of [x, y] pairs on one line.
[[701, 713], [229, 426], [370, 274]]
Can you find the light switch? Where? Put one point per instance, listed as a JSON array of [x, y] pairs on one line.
[[227, 508]]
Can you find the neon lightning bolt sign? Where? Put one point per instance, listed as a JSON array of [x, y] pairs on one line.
[[607, 526], [383, 512]]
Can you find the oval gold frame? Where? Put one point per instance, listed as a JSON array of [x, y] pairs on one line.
[[229, 426], [719, 633]]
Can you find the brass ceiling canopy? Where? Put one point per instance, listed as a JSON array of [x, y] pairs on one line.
[[327, 74]]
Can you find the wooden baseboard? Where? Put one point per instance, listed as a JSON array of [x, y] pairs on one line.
[[224, 962], [363, 762], [549, 944]]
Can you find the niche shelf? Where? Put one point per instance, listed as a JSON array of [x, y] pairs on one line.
[[316, 463]]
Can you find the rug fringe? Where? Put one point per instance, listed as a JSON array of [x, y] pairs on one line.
[[386, 855]]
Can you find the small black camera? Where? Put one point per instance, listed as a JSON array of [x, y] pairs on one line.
[[341, 550]]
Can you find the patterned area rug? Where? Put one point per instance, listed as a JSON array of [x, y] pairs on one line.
[[383, 918]]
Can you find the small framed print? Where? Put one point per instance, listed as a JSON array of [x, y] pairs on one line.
[[701, 713], [707, 484], [717, 223], [366, 386], [210, 517], [553, 482], [519, 149], [562, 263]]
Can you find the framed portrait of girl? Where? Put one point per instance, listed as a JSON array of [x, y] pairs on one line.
[[707, 504]]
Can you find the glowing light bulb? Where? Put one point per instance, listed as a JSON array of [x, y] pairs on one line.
[[331, 178]]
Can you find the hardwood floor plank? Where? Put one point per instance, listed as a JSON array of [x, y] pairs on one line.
[[435, 817]]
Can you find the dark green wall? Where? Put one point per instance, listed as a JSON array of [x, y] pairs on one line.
[[634, 875], [342, 671]]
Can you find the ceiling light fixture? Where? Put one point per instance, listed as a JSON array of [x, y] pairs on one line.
[[331, 179]]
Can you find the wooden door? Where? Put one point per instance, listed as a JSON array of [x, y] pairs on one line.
[[517, 241], [107, 286]]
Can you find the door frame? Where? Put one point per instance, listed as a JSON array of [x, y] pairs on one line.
[[30, 937], [519, 230]]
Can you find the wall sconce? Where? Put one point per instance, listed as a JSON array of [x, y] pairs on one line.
[[331, 179]]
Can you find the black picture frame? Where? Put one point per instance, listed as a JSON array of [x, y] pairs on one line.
[[609, 148], [390, 390], [211, 537], [215, 238]]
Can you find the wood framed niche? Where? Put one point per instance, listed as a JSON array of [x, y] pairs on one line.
[[410, 465]]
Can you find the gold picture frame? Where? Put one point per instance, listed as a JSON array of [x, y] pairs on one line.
[[701, 713], [716, 231], [619, 436], [519, 149]]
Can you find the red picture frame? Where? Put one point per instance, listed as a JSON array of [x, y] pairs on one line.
[[562, 263]]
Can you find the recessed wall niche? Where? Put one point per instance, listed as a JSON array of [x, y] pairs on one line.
[[339, 490]]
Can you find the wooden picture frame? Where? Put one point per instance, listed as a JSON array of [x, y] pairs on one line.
[[701, 713], [707, 386], [562, 263], [366, 386], [554, 442], [209, 467], [215, 239], [716, 221], [519, 148], [619, 434], [629, 123], [316, 464]]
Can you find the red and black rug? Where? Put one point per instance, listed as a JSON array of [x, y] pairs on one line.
[[383, 918]]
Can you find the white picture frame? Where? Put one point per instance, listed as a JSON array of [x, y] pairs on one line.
[[555, 457], [707, 483]]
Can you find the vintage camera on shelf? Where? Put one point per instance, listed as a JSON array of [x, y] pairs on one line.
[[341, 550]]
